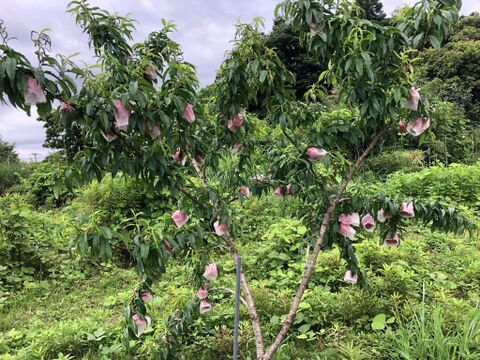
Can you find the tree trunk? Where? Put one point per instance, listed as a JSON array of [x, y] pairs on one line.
[[270, 352]]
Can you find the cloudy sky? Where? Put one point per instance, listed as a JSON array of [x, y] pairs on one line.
[[204, 29]]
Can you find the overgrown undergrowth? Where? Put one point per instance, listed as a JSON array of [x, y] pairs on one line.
[[70, 307]]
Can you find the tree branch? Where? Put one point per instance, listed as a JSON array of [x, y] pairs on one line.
[[252, 311], [229, 291], [193, 198], [316, 250], [198, 169], [248, 301]]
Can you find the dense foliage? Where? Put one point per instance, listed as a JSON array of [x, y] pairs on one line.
[[297, 60], [371, 10], [454, 70], [10, 167], [174, 186], [427, 287]]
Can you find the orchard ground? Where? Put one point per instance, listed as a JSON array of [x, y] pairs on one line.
[[418, 299]]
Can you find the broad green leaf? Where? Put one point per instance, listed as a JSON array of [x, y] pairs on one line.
[[417, 39], [359, 66], [10, 68], [304, 328], [263, 75], [434, 41], [379, 321], [133, 88]]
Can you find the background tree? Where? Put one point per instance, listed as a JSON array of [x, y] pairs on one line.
[[371, 10], [453, 71], [7, 152], [68, 139], [305, 68], [10, 167]]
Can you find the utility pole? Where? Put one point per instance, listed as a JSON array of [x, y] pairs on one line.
[[35, 156]]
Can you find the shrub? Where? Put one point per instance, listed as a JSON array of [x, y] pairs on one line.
[[456, 67], [284, 240], [10, 175], [456, 184], [43, 185], [113, 198], [27, 241], [451, 140], [396, 160], [106, 213]]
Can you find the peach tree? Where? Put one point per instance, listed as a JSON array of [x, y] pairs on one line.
[[139, 114]]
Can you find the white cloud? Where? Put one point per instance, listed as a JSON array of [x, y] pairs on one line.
[[26, 132], [469, 6]]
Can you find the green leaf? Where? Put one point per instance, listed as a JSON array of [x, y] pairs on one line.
[[105, 250], [254, 65], [28, 270], [390, 320], [275, 319], [437, 19], [379, 322], [417, 39], [304, 328], [366, 58], [434, 41], [370, 74], [263, 75], [133, 88], [359, 66], [179, 104], [364, 108], [89, 109], [348, 64], [144, 250], [38, 74], [44, 109], [397, 94], [10, 67], [82, 243], [376, 104]]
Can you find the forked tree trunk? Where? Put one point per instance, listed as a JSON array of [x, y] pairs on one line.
[[268, 354]]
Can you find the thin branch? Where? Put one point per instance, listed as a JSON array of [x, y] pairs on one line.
[[232, 199], [229, 291], [307, 253], [249, 304], [198, 169], [193, 198], [316, 250], [252, 311]]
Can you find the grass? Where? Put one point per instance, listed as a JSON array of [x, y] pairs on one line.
[[71, 318], [424, 336], [56, 316]]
